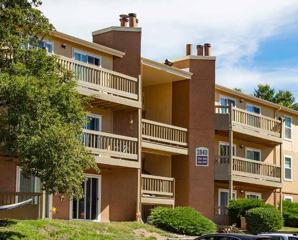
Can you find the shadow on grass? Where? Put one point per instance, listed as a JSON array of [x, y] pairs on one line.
[[6, 222], [6, 235]]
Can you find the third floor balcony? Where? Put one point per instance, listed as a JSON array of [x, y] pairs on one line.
[[248, 125], [110, 88]]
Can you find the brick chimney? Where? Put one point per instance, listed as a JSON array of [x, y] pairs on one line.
[[200, 50], [133, 21], [188, 49], [207, 49]]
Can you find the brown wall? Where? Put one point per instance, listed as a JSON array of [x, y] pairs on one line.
[[7, 175], [125, 122]]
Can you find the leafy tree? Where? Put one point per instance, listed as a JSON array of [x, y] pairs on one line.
[[284, 98], [41, 113]]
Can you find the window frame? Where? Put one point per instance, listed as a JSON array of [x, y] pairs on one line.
[[94, 115], [223, 143], [288, 197], [75, 50], [288, 179], [253, 105], [258, 194], [253, 149], [291, 128], [50, 43], [225, 190]]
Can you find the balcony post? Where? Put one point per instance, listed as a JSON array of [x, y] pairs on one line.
[[231, 152], [281, 162]]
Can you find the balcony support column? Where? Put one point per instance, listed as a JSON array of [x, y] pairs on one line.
[[231, 142]]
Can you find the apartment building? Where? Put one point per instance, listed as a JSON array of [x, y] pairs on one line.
[[161, 134]]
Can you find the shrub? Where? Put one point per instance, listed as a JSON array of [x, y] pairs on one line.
[[182, 220], [290, 214], [238, 208], [263, 220]]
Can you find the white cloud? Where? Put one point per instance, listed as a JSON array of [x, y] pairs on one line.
[[234, 28]]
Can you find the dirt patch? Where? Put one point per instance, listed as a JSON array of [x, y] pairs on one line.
[[141, 232]]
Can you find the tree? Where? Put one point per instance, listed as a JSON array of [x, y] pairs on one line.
[[284, 98], [41, 113]]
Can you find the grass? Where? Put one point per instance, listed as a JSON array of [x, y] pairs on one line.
[[289, 229], [77, 230]]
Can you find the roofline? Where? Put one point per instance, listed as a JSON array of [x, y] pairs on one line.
[[166, 68], [195, 57], [85, 43], [256, 99], [116, 28]]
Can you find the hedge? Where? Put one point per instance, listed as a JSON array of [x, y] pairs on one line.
[[290, 214], [182, 220], [263, 219], [238, 208]]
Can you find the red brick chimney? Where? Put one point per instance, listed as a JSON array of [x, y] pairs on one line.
[[133, 21], [188, 49], [200, 50], [123, 20], [207, 48]]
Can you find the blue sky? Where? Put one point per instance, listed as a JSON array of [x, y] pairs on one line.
[[254, 41]]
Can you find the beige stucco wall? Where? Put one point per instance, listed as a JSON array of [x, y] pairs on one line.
[[157, 164], [106, 116], [106, 59], [158, 102]]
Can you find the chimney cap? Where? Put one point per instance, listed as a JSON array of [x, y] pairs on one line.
[[132, 14], [123, 15], [207, 44], [199, 46]]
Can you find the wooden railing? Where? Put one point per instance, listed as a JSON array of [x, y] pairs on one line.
[[164, 133], [112, 145], [155, 186], [251, 168], [101, 79], [254, 120]]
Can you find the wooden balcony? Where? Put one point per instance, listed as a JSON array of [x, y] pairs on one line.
[[32, 210], [157, 190], [160, 137], [111, 87], [248, 171], [248, 125], [112, 149]]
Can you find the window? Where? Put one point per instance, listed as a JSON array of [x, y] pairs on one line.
[[93, 122], [46, 45], [224, 151], [252, 119], [288, 168], [288, 128], [253, 109], [253, 195], [223, 200], [288, 198], [225, 101], [87, 58], [253, 154]]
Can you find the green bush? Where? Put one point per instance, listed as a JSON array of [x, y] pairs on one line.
[[263, 220], [182, 220], [290, 214], [238, 208]]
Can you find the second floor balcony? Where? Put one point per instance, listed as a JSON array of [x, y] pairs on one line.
[[248, 125], [109, 87], [160, 137], [112, 149], [248, 171]]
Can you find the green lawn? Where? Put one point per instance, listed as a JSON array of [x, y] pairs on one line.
[[77, 230]]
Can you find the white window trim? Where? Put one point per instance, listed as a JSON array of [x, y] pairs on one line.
[[18, 178], [288, 139], [253, 149], [256, 106], [87, 53], [222, 143], [98, 219], [254, 193], [94, 115], [220, 190], [287, 197], [226, 97], [288, 179]]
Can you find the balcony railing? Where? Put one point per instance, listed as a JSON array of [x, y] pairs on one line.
[[158, 187], [111, 145], [102, 80], [252, 120], [32, 210], [164, 133], [250, 168]]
